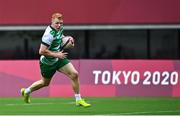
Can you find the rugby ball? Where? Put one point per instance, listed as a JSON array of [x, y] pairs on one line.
[[67, 42]]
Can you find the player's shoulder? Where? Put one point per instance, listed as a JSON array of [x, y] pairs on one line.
[[48, 32]]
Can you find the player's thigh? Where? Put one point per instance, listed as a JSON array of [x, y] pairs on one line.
[[68, 70], [47, 71]]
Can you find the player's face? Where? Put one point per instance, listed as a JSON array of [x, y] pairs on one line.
[[56, 23]]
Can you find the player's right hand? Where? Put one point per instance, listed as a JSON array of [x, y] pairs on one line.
[[62, 54]]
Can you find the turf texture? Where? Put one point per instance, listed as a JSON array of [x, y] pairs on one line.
[[100, 106]]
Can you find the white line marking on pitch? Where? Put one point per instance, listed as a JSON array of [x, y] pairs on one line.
[[28, 104], [138, 113], [37, 104], [150, 112]]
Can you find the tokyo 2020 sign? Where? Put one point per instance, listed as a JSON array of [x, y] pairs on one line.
[[98, 78]]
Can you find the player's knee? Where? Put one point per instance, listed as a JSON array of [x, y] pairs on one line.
[[74, 75]]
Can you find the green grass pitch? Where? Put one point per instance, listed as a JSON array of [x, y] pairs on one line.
[[100, 106]]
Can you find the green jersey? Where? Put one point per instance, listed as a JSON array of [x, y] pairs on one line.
[[53, 40]]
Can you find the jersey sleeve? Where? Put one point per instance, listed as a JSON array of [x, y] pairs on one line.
[[47, 40]]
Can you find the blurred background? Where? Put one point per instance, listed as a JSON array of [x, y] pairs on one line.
[[111, 29]]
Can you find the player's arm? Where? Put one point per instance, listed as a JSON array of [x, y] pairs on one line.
[[43, 50]]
